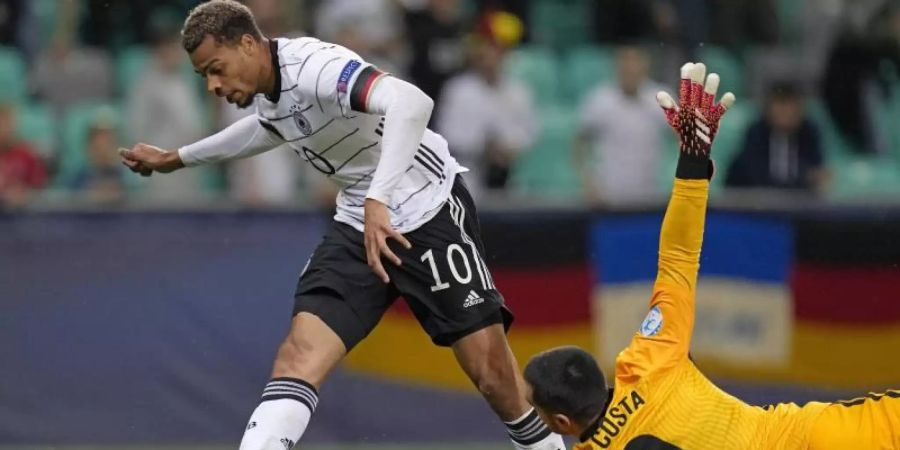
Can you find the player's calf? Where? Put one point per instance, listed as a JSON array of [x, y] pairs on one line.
[[486, 358]]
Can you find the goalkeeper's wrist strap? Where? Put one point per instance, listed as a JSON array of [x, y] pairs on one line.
[[694, 167]]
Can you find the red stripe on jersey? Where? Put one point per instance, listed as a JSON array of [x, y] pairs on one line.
[[359, 96]]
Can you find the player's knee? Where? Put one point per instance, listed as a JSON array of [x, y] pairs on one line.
[[297, 359], [495, 379], [290, 360], [488, 386]]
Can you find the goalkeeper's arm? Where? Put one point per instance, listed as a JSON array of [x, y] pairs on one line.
[[696, 121], [665, 335]]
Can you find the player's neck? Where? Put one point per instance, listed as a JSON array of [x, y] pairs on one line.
[[592, 425], [267, 67], [591, 428]]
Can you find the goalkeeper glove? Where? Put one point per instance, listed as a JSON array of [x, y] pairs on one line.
[[695, 119]]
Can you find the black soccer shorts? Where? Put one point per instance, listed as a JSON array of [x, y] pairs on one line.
[[443, 278]]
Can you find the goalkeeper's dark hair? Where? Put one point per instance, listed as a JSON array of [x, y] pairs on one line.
[[567, 380], [225, 20]]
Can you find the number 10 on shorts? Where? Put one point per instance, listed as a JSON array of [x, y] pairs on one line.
[[452, 251]]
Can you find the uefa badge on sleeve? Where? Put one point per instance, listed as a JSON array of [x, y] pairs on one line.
[[652, 323]]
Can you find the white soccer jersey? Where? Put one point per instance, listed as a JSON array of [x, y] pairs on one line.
[[323, 87]]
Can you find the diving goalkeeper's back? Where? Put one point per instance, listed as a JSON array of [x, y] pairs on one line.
[[659, 399]]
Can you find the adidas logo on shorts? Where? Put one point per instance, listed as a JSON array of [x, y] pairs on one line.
[[473, 299]]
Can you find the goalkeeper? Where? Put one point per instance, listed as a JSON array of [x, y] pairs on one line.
[[659, 399]]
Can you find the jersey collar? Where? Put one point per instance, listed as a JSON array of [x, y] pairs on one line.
[[275, 95], [591, 430]]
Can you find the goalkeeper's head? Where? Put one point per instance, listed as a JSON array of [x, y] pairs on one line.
[[567, 389]]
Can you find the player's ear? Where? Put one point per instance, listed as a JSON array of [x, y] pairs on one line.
[[248, 44], [562, 424]]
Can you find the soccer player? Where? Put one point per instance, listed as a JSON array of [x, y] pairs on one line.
[[659, 399], [405, 223]]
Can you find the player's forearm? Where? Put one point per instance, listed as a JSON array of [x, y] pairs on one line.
[[242, 139], [681, 237], [407, 111]]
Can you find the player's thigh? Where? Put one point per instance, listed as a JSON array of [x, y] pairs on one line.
[[444, 277], [339, 290], [870, 422]]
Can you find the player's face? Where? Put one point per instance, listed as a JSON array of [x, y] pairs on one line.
[[786, 114], [231, 71], [632, 68]]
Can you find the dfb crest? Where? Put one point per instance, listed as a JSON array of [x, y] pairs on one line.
[[301, 121]]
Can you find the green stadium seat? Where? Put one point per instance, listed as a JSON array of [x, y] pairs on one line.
[[584, 68], [546, 169], [13, 76], [129, 65], [834, 144], [560, 23], [46, 18], [865, 178], [727, 65], [37, 125], [536, 67], [789, 14], [75, 127]]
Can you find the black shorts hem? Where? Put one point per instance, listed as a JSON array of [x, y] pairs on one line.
[[335, 314], [502, 315]]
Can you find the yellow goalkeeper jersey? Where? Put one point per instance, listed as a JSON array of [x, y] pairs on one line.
[[660, 399]]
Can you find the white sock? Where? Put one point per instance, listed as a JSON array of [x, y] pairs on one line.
[[282, 416], [530, 433]]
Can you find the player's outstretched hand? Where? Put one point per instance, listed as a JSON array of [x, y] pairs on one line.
[[377, 229], [695, 118], [146, 159]]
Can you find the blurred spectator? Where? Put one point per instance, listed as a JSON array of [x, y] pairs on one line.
[[634, 20], [100, 180], [163, 108], [620, 140], [518, 8], [372, 28], [21, 170], [782, 149], [115, 24], [435, 33], [487, 118], [12, 13], [855, 82], [741, 23], [278, 18], [64, 75]]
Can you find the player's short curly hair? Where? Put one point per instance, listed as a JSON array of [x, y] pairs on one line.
[[225, 20], [567, 380]]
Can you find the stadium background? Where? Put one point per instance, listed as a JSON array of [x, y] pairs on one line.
[[147, 317]]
